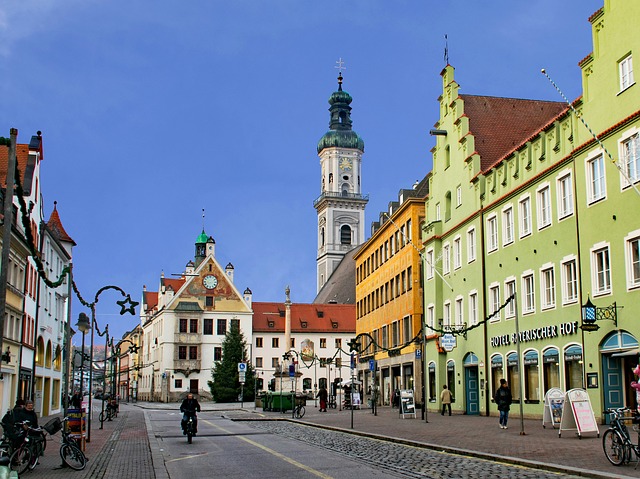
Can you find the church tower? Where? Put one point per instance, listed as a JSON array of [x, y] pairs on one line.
[[341, 204]]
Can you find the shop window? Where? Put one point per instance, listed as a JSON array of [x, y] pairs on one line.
[[531, 377], [432, 382], [551, 368], [497, 372], [513, 376], [573, 367], [451, 378]]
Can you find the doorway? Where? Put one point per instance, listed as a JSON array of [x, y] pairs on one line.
[[471, 385]]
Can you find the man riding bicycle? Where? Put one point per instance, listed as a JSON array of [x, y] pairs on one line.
[[188, 409]]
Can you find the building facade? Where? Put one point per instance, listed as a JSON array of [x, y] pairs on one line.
[[312, 337], [184, 324], [530, 218], [389, 298]]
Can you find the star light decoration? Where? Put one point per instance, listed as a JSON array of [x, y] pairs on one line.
[[131, 308]]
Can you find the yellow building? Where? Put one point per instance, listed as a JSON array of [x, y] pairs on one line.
[[389, 298]]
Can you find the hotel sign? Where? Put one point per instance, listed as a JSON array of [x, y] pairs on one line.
[[545, 332]]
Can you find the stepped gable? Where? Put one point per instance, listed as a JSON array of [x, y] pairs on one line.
[[501, 124]]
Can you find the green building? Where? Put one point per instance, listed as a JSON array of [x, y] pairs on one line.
[[527, 203]]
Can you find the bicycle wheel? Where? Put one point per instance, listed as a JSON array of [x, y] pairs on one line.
[[300, 412], [20, 460], [614, 447], [73, 457]]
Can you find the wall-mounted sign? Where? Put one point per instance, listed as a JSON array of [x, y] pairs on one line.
[[545, 332]]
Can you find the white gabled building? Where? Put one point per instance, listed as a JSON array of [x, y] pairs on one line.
[[184, 324]]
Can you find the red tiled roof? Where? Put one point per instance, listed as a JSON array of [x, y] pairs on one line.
[[341, 315], [150, 299], [22, 155], [501, 124], [172, 283], [595, 14], [55, 226]]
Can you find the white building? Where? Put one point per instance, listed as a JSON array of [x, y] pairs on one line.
[[184, 324], [316, 338]]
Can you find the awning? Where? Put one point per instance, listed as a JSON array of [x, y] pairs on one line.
[[348, 382], [628, 352]]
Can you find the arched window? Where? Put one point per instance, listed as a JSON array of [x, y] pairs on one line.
[[451, 378], [345, 189], [551, 369], [345, 234], [573, 366], [531, 376], [48, 355], [40, 352], [513, 375], [497, 372]]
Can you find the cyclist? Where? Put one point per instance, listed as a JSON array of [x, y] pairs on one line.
[[188, 409]]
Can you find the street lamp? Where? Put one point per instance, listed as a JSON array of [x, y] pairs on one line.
[[83, 325]]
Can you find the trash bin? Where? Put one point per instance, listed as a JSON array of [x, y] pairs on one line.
[[264, 398], [281, 402]]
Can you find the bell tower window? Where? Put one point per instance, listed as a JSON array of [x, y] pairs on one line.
[[345, 234]]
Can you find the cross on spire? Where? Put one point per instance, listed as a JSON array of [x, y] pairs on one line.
[[340, 66]]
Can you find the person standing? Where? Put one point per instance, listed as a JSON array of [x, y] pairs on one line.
[[323, 396], [445, 398], [503, 399]]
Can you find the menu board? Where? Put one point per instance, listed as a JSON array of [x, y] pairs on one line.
[[577, 414], [407, 403]]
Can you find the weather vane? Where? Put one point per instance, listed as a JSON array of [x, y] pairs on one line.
[[340, 66]]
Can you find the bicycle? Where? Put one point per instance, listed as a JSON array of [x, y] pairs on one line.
[[298, 411], [111, 414], [33, 445], [616, 441]]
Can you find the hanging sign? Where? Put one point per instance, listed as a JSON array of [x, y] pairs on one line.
[[553, 403], [577, 413], [448, 342]]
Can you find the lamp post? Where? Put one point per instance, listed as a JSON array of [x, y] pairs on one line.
[[83, 326], [126, 305]]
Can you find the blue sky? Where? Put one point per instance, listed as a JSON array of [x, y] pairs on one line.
[[154, 110]]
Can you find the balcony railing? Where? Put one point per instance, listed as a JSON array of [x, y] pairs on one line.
[[337, 195]]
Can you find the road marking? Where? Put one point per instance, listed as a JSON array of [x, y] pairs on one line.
[[275, 453]]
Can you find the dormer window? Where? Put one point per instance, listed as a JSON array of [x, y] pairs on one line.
[[334, 324]]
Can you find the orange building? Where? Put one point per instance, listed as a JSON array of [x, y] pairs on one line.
[[389, 298]]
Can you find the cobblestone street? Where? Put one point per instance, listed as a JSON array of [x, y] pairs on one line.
[[408, 461]]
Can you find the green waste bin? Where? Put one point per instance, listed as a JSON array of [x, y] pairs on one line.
[[281, 402]]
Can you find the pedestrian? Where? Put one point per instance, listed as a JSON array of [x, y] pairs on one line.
[[28, 414], [323, 396], [445, 398], [503, 399], [13, 432], [76, 400]]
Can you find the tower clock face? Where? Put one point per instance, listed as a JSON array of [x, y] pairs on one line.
[[210, 281], [345, 164]]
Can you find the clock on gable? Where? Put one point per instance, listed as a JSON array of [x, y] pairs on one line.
[[210, 281]]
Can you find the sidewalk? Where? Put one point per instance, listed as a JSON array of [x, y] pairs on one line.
[[121, 450], [126, 447]]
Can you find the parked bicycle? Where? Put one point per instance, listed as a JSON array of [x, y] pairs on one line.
[[298, 411], [616, 441], [109, 414], [28, 452]]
